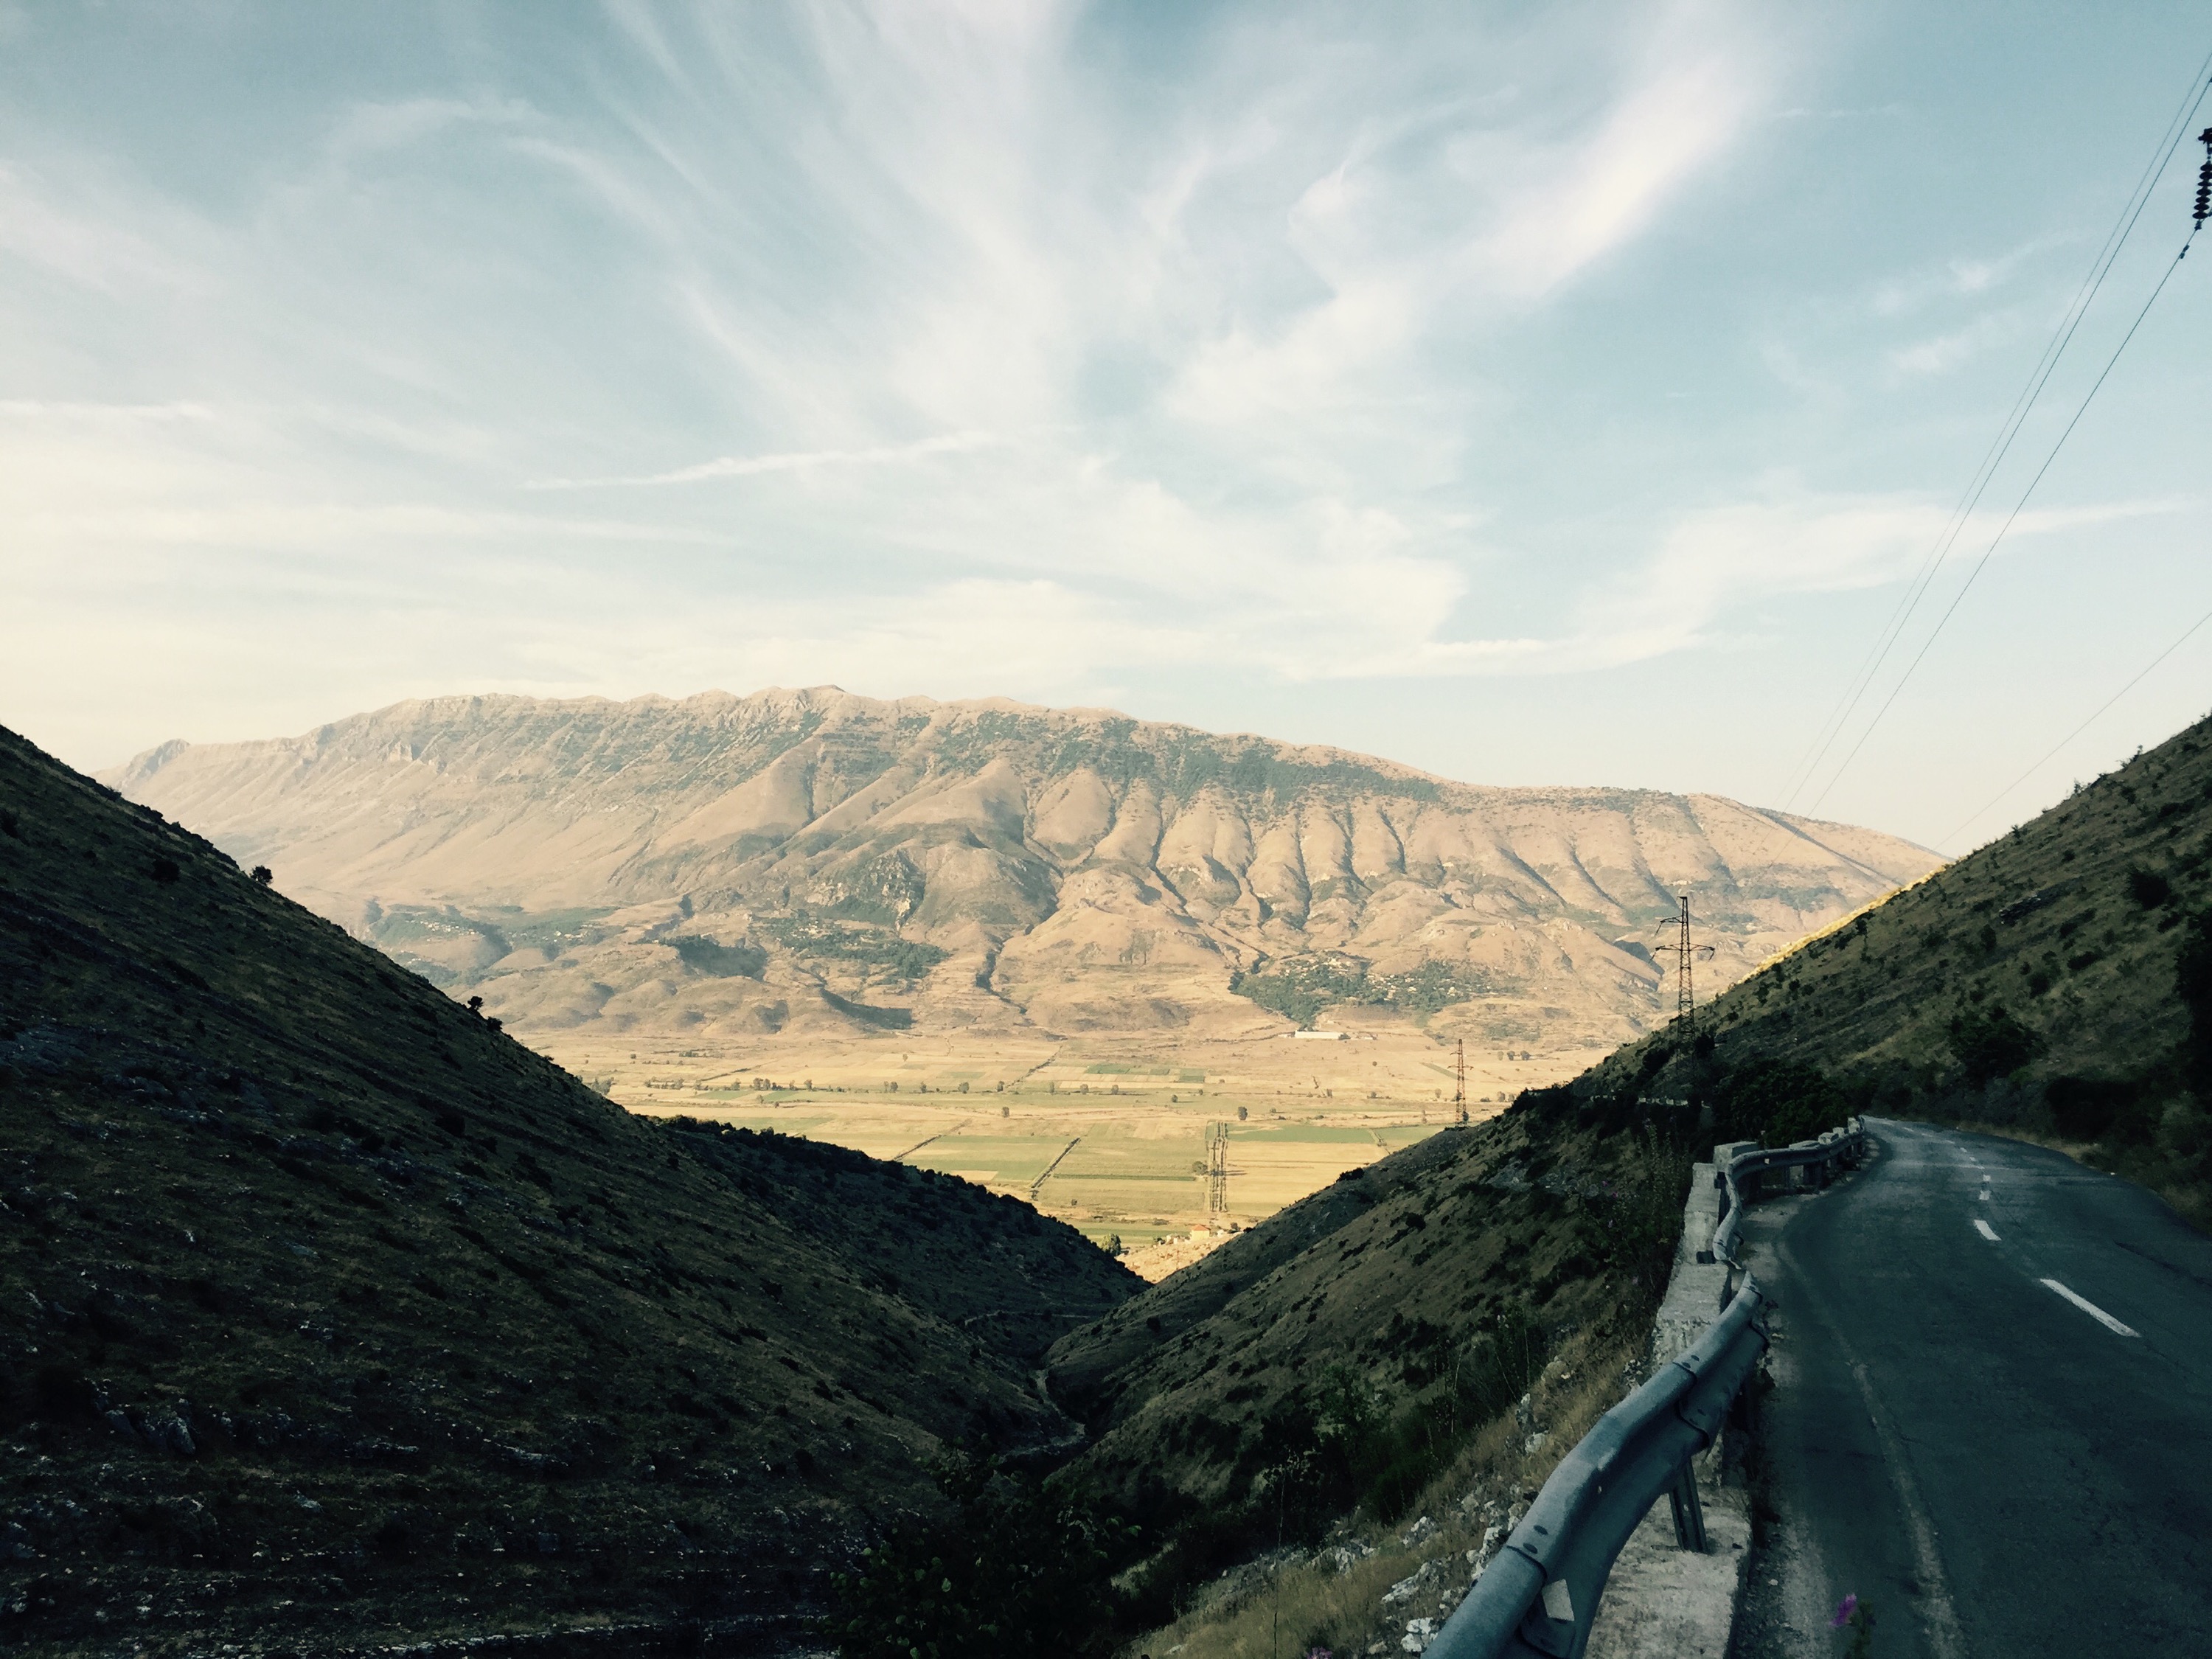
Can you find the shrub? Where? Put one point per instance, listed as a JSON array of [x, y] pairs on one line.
[[1778, 1103], [1015, 1571], [1990, 1043], [2086, 1109], [2192, 983], [2149, 888], [1643, 1223], [1363, 1452]]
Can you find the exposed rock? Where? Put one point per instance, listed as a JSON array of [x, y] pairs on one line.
[[591, 863]]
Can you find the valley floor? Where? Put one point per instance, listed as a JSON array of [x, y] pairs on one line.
[[1108, 1134]]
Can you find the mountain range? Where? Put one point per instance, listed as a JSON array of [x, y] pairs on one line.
[[340, 1321], [814, 862]]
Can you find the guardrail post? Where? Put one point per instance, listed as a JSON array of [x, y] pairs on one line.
[[1689, 1510]]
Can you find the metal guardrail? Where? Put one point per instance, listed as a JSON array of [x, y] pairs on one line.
[[1845, 1146], [1539, 1595]]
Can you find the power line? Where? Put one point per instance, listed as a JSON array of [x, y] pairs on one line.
[[1988, 553], [2115, 239], [2187, 634]]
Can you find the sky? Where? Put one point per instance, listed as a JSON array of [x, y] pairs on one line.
[[1562, 393]]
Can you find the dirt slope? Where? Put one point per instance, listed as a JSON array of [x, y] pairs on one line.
[[813, 861], [334, 1315]]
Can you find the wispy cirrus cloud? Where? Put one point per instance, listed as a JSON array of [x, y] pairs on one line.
[[1046, 349], [749, 467]]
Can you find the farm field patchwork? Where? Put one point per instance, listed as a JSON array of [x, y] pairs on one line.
[[1108, 1135]]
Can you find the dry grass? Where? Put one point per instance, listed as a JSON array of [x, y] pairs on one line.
[[1283, 1606]]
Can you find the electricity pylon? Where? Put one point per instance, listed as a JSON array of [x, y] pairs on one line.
[[1684, 952], [1459, 1087], [1217, 1172], [1685, 1000]]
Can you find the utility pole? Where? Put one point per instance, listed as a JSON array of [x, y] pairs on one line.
[[1459, 1088], [1216, 1173]]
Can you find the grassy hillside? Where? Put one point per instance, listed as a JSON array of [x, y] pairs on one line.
[[336, 1317], [2057, 982], [1364, 1355]]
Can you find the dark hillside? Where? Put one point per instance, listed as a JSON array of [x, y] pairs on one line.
[[1346, 1352], [1096, 1371], [2058, 981], [1341, 1356], [334, 1317]]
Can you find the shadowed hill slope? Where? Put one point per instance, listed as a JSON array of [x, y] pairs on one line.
[[1096, 1369], [819, 863], [336, 1316], [1346, 1352], [2057, 980]]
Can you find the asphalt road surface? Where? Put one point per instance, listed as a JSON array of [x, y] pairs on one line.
[[1992, 1417]]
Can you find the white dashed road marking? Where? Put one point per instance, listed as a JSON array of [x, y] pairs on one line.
[[1986, 1231], [2093, 1310]]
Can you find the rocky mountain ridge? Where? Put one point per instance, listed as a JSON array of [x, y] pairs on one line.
[[817, 861]]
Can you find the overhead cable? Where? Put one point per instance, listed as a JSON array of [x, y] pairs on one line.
[[2187, 634], [2169, 140], [1990, 552]]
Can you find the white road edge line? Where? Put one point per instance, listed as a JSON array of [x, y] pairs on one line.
[[1986, 1231], [2093, 1310]]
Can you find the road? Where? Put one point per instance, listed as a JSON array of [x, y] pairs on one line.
[[1993, 1411]]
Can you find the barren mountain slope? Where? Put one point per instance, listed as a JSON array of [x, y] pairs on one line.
[[813, 859], [336, 1317]]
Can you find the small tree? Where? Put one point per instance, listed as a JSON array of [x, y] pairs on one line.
[[1990, 1043], [261, 875]]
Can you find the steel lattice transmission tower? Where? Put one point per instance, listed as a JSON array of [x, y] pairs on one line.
[[1459, 1086], [1217, 1172], [1685, 954]]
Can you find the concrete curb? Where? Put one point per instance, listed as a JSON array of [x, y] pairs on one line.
[[1661, 1600]]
